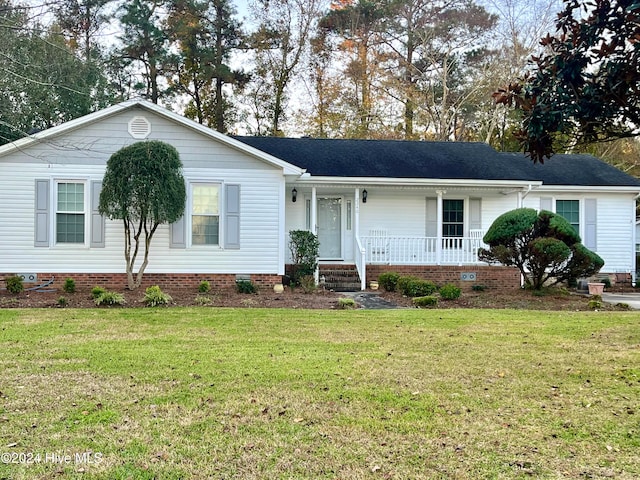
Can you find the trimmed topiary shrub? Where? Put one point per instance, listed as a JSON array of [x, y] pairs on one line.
[[14, 284], [389, 281], [450, 292], [426, 302], [543, 246], [154, 296]]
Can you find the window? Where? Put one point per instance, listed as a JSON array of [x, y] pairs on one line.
[[205, 218], [70, 212], [453, 218], [570, 211]]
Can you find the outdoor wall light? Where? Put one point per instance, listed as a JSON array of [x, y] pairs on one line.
[[294, 195], [364, 196]]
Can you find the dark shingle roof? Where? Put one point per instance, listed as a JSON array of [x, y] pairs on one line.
[[434, 160]]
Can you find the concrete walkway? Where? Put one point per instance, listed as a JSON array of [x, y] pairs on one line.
[[370, 301], [631, 298]]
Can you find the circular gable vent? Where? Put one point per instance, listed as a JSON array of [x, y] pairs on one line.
[[139, 127]]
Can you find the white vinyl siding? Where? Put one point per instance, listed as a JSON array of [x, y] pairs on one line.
[[257, 248]]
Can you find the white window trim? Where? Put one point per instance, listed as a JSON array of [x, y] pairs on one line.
[[53, 202], [189, 216]]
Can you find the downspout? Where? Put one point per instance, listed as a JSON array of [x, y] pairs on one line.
[[523, 195], [633, 241], [314, 225]]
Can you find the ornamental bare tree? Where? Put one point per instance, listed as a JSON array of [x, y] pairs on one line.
[[143, 186]]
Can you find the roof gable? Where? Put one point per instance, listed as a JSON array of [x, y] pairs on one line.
[[79, 123]]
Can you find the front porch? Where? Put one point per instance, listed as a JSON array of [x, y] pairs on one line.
[[397, 226]]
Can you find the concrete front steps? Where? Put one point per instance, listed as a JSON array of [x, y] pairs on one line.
[[340, 278]]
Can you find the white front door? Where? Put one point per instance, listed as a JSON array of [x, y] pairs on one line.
[[330, 228]]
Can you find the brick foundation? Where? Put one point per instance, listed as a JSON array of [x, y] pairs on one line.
[[489, 276], [173, 281]]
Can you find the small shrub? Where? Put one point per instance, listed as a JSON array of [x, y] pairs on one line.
[[69, 285], [607, 282], [246, 286], [154, 296], [623, 306], [62, 302], [97, 291], [204, 286], [478, 288], [308, 283], [416, 287], [389, 281], [594, 304], [304, 247], [427, 301], [346, 303], [450, 292], [203, 300], [110, 298], [14, 284]]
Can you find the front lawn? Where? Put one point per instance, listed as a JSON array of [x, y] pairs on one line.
[[268, 393]]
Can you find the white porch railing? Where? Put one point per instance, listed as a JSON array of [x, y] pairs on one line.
[[421, 250]]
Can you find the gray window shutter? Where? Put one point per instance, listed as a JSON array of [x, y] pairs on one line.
[[42, 213], [591, 220], [97, 220], [178, 234], [232, 216], [431, 222], [475, 214], [546, 203], [432, 218]]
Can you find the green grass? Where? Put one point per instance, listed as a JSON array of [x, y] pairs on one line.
[[252, 393]]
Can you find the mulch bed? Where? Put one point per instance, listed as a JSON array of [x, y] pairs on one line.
[[296, 298]]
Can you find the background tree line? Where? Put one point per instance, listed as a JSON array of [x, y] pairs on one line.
[[395, 69]]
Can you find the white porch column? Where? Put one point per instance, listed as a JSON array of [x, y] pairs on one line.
[[314, 211], [440, 217], [520, 199], [356, 213]]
